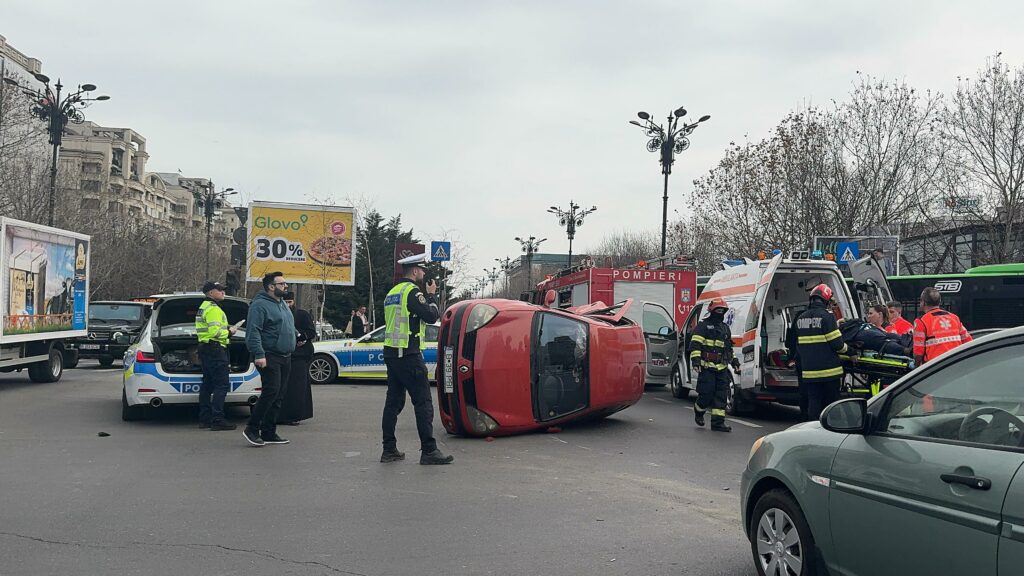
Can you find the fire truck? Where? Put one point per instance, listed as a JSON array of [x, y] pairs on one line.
[[662, 300]]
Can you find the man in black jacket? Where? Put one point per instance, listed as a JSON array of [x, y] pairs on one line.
[[819, 344], [710, 355]]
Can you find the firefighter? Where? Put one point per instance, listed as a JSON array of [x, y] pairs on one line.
[[818, 346], [711, 355], [936, 331]]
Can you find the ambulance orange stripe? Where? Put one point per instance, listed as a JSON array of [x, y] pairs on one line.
[[748, 337], [710, 294]]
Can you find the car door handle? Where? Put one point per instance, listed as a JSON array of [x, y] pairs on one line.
[[976, 482]]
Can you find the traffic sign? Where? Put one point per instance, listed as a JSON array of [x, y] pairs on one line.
[[847, 252], [440, 251]]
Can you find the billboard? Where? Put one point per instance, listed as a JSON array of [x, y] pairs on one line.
[[307, 244], [404, 250], [44, 282]]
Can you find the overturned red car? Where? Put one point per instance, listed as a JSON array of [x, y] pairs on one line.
[[506, 367]]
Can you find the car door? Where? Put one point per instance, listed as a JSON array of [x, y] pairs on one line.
[[870, 284], [923, 493], [661, 338], [1011, 541], [366, 357]]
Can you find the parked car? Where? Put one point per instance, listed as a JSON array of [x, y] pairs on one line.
[[510, 366], [107, 320], [162, 366], [362, 358], [924, 478]]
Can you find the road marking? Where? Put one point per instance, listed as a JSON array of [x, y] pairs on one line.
[[665, 401], [559, 439], [745, 423]]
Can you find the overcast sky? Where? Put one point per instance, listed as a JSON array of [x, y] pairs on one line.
[[473, 117]]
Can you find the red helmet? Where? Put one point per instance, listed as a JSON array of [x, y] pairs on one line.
[[716, 304], [822, 291]]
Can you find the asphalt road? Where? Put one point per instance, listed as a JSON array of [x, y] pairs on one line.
[[643, 492]]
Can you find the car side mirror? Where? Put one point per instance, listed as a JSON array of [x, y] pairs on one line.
[[124, 339], [849, 416], [665, 331]]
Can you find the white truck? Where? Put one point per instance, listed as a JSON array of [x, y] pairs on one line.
[[44, 296]]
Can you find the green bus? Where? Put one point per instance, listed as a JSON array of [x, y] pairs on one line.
[[985, 297]]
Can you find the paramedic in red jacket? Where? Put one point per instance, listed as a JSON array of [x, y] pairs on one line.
[[936, 331]]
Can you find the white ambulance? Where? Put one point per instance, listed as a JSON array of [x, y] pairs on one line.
[[764, 297]]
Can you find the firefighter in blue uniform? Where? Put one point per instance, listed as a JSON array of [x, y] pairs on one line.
[[818, 345], [407, 311], [711, 355]]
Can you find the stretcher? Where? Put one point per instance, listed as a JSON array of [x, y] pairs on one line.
[[871, 372]]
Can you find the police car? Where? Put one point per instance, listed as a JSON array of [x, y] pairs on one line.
[[363, 358], [162, 367]]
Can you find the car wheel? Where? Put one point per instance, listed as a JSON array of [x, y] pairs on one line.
[[735, 405], [322, 369], [50, 370], [131, 413], [780, 539], [106, 361], [679, 390]]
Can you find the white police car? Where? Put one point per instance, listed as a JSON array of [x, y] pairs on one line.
[[162, 367], [363, 358]]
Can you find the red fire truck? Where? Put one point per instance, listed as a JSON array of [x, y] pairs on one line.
[[662, 300]]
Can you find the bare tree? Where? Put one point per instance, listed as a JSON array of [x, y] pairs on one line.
[[626, 247]]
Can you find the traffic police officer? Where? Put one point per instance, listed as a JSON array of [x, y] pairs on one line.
[[711, 354], [407, 311], [818, 345], [214, 334]]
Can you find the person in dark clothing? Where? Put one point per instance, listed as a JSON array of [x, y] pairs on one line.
[[270, 338], [359, 322], [711, 354], [407, 311], [819, 344], [297, 404]]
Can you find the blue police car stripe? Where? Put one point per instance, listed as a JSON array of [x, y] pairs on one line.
[[374, 356], [177, 382]]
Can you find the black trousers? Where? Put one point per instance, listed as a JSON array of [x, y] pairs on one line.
[[408, 374], [817, 394], [712, 393], [216, 381], [274, 378]]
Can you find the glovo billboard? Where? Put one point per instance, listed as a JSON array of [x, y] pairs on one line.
[[307, 244]]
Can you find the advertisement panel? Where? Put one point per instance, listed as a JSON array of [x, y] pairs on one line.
[[307, 244], [44, 282], [404, 250]]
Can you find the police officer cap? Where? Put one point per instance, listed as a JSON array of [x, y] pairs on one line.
[[419, 260], [211, 285]]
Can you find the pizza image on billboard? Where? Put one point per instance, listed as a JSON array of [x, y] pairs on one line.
[[331, 250]]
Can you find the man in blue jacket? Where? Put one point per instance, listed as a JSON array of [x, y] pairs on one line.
[[270, 338]]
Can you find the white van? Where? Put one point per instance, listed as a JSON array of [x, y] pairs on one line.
[[764, 297]]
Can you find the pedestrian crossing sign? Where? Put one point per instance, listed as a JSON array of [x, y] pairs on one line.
[[440, 251], [848, 252]]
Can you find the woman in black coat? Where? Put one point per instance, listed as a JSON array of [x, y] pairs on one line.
[[298, 397]]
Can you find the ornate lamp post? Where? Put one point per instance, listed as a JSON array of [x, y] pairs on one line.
[[571, 219], [529, 247], [506, 265], [210, 201], [56, 109], [670, 140], [492, 276]]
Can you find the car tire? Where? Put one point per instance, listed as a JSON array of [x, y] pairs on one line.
[[106, 361], [322, 369], [131, 413], [49, 371], [678, 389], [780, 538], [735, 404]]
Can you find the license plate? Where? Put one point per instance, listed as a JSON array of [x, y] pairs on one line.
[[90, 346], [659, 362], [449, 367]]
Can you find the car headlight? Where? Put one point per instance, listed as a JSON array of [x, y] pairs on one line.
[[479, 421], [755, 447], [480, 316]]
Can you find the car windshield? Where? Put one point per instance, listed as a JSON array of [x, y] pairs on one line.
[[107, 313]]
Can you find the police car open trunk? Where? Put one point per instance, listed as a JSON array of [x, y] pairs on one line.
[[174, 338]]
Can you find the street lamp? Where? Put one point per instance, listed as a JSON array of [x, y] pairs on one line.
[[571, 219], [506, 265], [492, 275], [670, 140], [210, 200], [49, 106], [529, 246]]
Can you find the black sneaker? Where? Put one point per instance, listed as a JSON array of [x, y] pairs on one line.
[[435, 457], [721, 428], [253, 437], [273, 438], [221, 425], [391, 455], [698, 417]]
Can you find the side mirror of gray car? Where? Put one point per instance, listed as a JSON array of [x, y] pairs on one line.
[[848, 416]]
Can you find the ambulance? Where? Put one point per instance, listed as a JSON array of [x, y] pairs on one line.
[[663, 299], [764, 297]]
